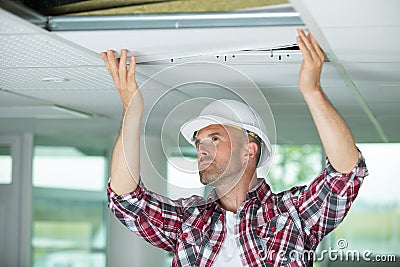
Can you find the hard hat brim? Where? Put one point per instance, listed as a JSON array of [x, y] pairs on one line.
[[190, 127]]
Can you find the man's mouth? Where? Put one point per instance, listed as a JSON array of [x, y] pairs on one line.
[[204, 163]]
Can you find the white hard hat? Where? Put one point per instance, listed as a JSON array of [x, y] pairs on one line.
[[230, 112]]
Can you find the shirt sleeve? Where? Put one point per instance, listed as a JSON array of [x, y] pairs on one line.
[[149, 215], [323, 205]]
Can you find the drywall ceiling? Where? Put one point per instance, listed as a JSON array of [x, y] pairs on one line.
[[61, 71]]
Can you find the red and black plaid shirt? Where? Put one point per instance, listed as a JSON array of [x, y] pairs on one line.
[[271, 229]]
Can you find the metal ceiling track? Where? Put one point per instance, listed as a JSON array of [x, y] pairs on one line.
[[174, 21], [287, 17]]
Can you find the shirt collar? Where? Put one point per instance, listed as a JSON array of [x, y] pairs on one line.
[[261, 191]]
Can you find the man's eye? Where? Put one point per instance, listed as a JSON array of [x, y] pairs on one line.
[[214, 138]]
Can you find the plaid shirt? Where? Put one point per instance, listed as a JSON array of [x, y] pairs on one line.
[[271, 229]]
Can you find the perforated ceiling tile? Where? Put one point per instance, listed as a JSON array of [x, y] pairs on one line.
[[39, 112], [10, 99], [110, 110], [55, 79], [76, 97], [11, 24], [38, 50]]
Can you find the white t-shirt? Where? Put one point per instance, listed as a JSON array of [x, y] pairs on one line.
[[229, 253]]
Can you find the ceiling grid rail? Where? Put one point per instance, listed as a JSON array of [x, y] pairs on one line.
[[312, 26]]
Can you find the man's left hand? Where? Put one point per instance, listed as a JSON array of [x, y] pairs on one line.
[[313, 60]]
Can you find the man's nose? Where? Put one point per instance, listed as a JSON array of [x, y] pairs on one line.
[[206, 148]]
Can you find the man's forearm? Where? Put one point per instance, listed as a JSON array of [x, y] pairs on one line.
[[125, 162], [335, 134]]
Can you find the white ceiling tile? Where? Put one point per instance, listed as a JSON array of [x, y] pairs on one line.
[[380, 94], [290, 110], [374, 74], [365, 44], [283, 94], [296, 130], [277, 75], [150, 45], [237, 75], [349, 110], [210, 91], [385, 109], [391, 126], [344, 13], [11, 99], [363, 130]]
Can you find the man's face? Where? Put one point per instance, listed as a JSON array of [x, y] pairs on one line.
[[220, 151]]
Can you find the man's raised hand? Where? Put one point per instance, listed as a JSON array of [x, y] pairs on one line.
[[313, 60], [124, 77]]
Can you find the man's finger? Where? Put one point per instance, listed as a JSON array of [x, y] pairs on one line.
[[112, 68], [122, 68], [304, 50], [132, 69], [122, 62], [112, 63], [316, 47], [307, 44], [105, 59]]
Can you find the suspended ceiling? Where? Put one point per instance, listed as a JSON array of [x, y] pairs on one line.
[[53, 82]]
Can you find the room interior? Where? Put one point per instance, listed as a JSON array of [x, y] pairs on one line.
[[56, 91]]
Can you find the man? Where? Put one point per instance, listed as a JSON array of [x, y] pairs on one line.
[[246, 224]]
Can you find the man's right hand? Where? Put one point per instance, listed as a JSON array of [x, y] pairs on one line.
[[124, 78]]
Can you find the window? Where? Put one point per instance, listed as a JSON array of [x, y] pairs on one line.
[[183, 178], [5, 165], [68, 168], [293, 165], [68, 208], [373, 222]]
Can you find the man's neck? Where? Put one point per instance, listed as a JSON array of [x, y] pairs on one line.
[[235, 197]]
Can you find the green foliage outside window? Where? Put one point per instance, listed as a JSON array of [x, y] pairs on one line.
[[294, 165]]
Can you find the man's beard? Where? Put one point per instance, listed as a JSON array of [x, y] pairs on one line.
[[216, 175], [210, 174]]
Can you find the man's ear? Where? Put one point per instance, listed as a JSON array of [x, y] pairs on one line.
[[252, 149]]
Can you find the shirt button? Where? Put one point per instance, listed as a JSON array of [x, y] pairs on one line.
[[273, 228]]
